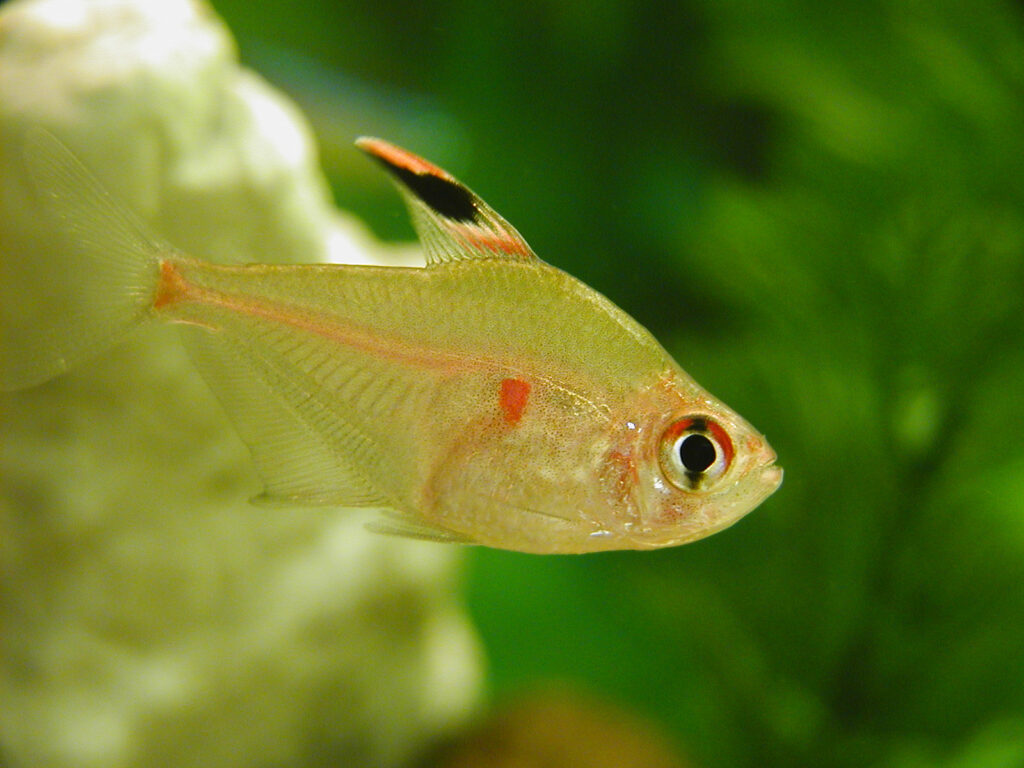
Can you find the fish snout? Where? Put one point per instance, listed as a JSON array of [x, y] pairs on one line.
[[771, 475]]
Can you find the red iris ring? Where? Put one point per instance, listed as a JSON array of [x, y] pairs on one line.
[[700, 425]]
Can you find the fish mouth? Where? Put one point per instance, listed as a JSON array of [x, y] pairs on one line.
[[772, 476]]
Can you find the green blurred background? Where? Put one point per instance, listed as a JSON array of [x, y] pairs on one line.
[[819, 209]]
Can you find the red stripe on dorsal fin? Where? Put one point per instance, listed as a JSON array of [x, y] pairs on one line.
[[452, 222]]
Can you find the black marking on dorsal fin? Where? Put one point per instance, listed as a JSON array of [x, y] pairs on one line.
[[431, 185], [446, 197]]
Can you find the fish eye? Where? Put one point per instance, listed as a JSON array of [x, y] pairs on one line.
[[695, 452]]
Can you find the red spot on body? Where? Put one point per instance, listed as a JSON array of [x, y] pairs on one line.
[[172, 286], [513, 397]]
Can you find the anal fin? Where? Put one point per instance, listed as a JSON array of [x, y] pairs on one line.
[[407, 526], [295, 456]]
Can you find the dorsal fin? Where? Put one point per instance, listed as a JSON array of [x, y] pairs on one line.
[[451, 221]]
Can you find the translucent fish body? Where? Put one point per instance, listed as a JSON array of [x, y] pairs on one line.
[[487, 398]]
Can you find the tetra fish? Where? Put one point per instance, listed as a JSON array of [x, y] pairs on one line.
[[485, 398]]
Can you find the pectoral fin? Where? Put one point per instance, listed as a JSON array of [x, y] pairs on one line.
[[451, 221]]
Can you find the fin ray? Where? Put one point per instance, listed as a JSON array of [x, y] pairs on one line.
[[108, 270]]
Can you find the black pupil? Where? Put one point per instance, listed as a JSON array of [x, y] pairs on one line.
[[697, 453]]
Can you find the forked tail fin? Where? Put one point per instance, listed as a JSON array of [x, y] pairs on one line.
[[75, 279]]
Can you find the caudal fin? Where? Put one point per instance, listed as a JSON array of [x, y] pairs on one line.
[[77, 269]]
